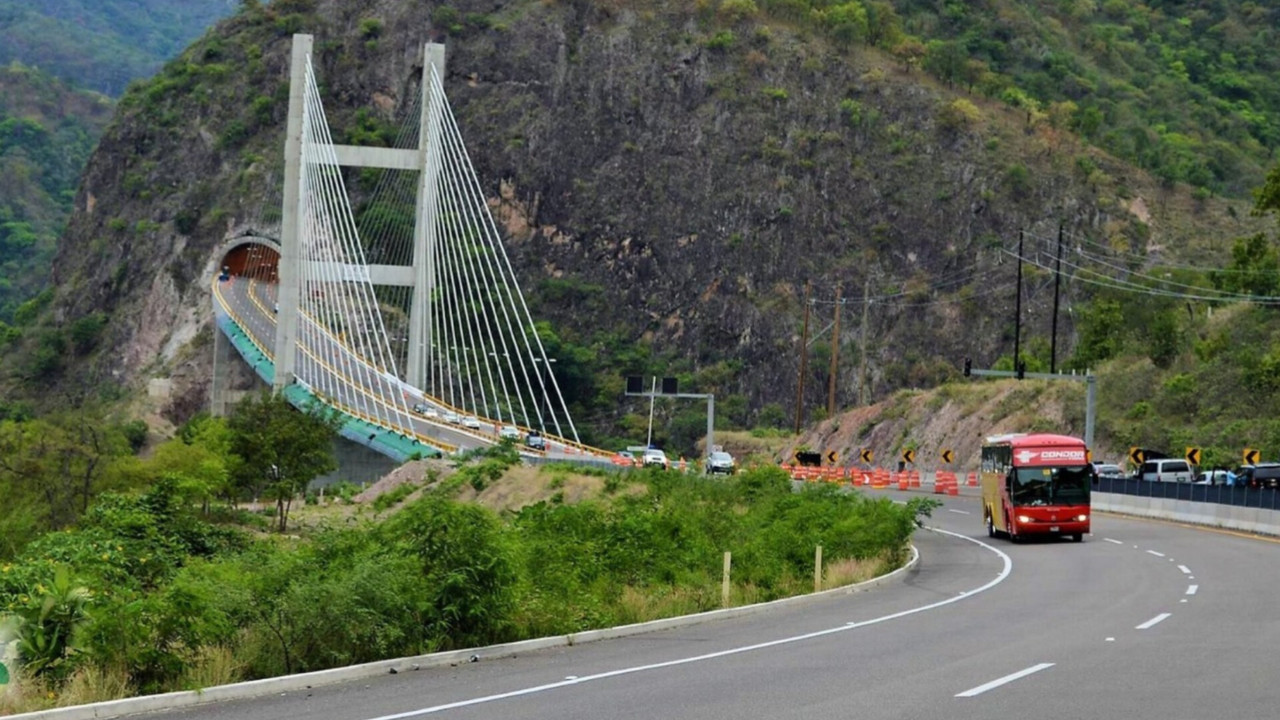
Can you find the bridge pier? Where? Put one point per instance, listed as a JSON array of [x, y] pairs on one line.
[[356, 464], [232, 377]]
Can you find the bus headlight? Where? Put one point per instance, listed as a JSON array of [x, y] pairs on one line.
[[1082, 518], [1024, 518]]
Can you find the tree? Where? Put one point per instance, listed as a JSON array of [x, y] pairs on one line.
[[59, 462], [280, 448], [1254, 268], [946, 60], [884, 27], [1101, 333], [910, 51], [1267, 197]]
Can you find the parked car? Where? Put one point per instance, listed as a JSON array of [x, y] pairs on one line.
[[535, 441], [653, 457], [720, 462], [1262, 475], [1166, 470], [509, 432], [1108, 470]]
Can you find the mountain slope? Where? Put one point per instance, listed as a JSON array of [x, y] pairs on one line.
[[102, 45], [670, 180], [47, 131]]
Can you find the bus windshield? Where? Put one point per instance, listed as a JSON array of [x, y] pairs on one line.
[[1051, 486]]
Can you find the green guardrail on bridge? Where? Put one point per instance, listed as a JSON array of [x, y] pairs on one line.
[[397, 446]]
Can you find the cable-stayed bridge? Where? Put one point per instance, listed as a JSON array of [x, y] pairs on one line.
[[406, 316]]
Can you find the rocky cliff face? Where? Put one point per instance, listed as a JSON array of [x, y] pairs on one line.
[[682, 175]]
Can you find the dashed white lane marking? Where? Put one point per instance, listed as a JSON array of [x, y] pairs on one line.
[[1153, 621], [1111, 639], [1004, 680], [1114, 542], [1191, 589], [1157, 554], [958, 512], [637, 669], [1185, 570]]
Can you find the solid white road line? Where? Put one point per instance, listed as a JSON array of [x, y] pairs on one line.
[[1157, 554], [1008, 567], [1114, 542], [1153, 621], [1004, 680], [1185, 570], [1191, 589]]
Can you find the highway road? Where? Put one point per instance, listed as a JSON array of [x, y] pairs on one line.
[[1143, 621]]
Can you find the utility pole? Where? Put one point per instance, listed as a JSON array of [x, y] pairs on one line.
[[862, 371], [804, 359], [1057, 280], [835, 355], [653, 394], [1017, 311]]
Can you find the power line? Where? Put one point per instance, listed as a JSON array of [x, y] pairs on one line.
[[1127, 286]]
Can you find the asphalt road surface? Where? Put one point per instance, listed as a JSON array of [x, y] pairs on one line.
[[1142, 621]]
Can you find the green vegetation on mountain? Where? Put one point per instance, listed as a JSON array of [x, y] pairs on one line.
[[1182, 88], [102, 45], [47, 131]]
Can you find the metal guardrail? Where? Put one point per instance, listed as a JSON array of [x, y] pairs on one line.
[[1238, 496]]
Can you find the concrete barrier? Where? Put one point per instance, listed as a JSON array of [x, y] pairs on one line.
[[1229, 517]]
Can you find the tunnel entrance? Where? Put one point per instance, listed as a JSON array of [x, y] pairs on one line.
[[255, 260]]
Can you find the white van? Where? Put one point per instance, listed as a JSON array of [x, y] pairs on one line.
[[1167, 470]]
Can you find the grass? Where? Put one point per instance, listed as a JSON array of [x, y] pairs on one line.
[[87, 685], [213, 666]]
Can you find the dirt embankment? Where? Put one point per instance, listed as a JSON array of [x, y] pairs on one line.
[[955, 417], [520, 486]]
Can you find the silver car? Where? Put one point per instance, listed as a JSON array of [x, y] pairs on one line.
[[654, 457], [720, 462]]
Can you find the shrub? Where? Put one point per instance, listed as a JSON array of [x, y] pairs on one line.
[[734, 11], [85, 331], [390, 499], [464, 562], [958, 114], [722, 40]]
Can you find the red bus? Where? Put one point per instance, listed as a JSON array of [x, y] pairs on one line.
[[1036, 484]]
